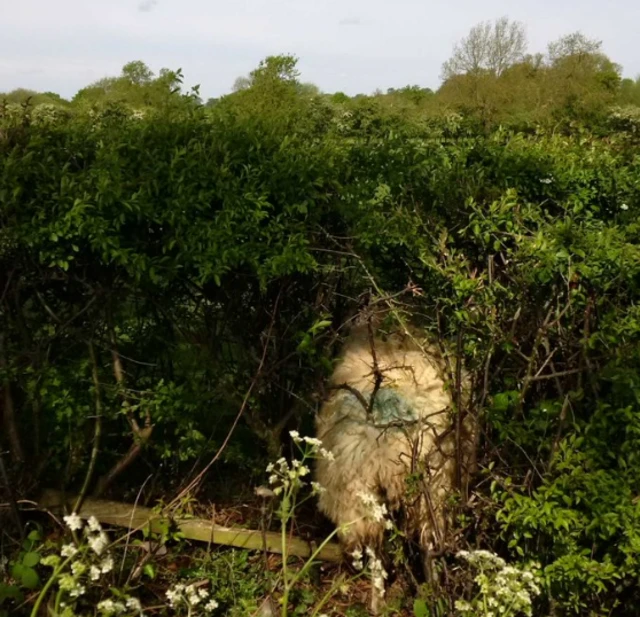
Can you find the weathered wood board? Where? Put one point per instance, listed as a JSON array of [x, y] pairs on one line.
[[125, 515]]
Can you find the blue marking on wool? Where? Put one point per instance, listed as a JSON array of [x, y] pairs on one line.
[[389, 406]]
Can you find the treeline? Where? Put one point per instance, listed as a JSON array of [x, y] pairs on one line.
[[172, 272], [491, 76]]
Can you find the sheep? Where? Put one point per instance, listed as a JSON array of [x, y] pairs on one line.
[[377, 445]]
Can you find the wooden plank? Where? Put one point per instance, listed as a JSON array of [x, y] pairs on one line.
[[124, 515]]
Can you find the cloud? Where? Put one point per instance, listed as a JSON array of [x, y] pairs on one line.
[[147, 5], [350, 21]]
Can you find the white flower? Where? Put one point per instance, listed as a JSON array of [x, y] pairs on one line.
[[73, 521], [94, 524], [317, 488], [624, 207], [203, 593], [212, 605], [546, 180], [68, 550], [270, 467], [134, 604], [109, 607], [313, 442], [98, 543], [94, 573], [273, 478], [77, 591], [295, 436], [106, 565], [327, 454]]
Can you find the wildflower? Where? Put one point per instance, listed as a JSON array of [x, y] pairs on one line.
[[94, 524], [327, 454], [357, 559], [317, 488], [211, 605], [273, 478], [270, 467], [94, 573], [546, 180], [73, 521], [313, 442], [106, 565], [134, 604], [78, 568], [68, 550], [295, 436], [52, 560], [77, 591], [98, 543], [173, 595], [70, 585], [109, 607], [624, 207]]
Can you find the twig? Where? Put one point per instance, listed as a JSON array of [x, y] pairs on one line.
[[97, 430], [377, 373]]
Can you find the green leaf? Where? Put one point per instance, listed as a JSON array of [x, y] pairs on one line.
[[420, 608], [31, 559], [30, 578]]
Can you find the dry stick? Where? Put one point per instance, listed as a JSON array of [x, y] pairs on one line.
[[355, 392], [97, 430], [126, 545], [140, 435], [194, 483], [377, 373]]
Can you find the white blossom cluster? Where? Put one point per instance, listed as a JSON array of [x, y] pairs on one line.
[[376, 569], [503, 590], [190, 596], [314, 443], [377, 511], [284, 475], [115, 607], [87, 564]]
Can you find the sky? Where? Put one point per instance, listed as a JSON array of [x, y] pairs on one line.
[[353, 46]]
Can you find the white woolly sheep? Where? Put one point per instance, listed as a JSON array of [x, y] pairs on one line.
[[408, 428]]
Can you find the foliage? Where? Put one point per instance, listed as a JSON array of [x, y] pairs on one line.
[[172, 273], [490, 47]]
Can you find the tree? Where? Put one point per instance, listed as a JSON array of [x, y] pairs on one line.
[[137, 72], [273, 69], [575, 44], [581, 80], [489, 47]]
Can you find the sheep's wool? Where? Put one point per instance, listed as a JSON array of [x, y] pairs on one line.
[[409, 429]]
